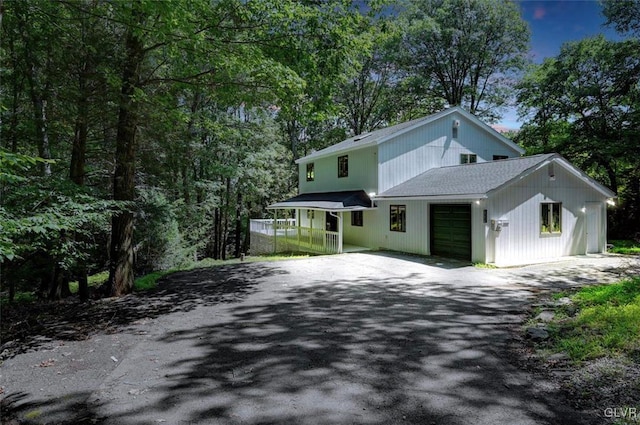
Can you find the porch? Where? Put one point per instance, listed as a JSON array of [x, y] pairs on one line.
[[285, 234], [317, 227]]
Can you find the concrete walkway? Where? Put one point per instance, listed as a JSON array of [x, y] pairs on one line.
[[366, 338]]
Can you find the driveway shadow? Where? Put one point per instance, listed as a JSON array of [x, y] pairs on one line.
[[374, 351], [71, 320], [282, 348], [29, 327]]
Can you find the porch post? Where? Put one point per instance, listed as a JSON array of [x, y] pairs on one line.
[[340, 232], [275, 231], [298, 226], [313, 213]]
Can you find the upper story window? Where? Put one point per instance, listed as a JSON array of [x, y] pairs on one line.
[[551, 217], [499, 157], [454, 133], [343, 166], [398, 218], [468, 158], [311, 175]]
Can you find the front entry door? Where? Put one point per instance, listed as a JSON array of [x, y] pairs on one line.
[[331, 222], [593, 228]]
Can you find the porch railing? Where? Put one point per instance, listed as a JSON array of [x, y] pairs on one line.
[[285, 235]]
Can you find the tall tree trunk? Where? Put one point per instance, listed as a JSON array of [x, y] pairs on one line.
[[79, 148], [37, 93], [225, 227], [247, 236], [238, 234], [216, 233], [121, 272], [78, 160]]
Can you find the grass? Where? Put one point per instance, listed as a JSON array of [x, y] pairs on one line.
[[19, 297], [150, 281], [484, 266], [94, 280], [607, 322], [625, 247]]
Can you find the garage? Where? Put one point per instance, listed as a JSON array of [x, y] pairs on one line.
[[451, 230]]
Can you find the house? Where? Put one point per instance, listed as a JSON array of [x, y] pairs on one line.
[[447, 185]]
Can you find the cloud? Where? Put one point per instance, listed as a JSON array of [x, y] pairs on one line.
[[539, 12]]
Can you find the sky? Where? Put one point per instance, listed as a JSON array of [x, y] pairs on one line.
[[552, 23]]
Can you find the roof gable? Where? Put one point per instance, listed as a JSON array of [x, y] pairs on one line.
[[380, 136], [482, 179]]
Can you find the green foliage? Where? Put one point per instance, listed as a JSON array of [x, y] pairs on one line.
[[20, 297], [150, 281], [95, 280], [484, 266], [618, 294], [624, 15], [584, 105], [43, 214], [606, 323], [466, 53], [625, 247], [159, 242]]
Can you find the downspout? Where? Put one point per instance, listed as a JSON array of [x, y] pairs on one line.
[[339, 217]]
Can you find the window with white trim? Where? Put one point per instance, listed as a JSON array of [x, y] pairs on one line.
[[356, 218], [468, 158], [551, 217], [398, 218], [311, 175], [343, 166]]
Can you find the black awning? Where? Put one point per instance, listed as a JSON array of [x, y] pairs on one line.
[[352, 200]]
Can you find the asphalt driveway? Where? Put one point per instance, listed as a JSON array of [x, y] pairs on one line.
[[367, 338]]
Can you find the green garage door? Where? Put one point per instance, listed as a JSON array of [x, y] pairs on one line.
[[451, 231]]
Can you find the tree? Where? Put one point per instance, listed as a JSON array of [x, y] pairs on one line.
[[465, 52], [196, 43], [624, 15], [39, 213], [584, 104], [318, 42]]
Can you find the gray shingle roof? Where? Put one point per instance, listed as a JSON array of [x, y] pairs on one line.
[[335, 201], [468, 179]]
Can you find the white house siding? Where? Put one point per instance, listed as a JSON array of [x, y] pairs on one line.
[[319, 219], [376, 231], [419, 150], [364, 235], [522, 242], [362, 173], [478, 231]]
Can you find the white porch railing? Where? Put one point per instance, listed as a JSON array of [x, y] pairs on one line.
[[287, 236], [265, 226]]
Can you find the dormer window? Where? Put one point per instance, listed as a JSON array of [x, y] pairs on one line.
[[311, 175], [468, 158], [343, 166]]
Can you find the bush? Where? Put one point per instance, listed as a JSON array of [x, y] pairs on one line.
[[159, 243]]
